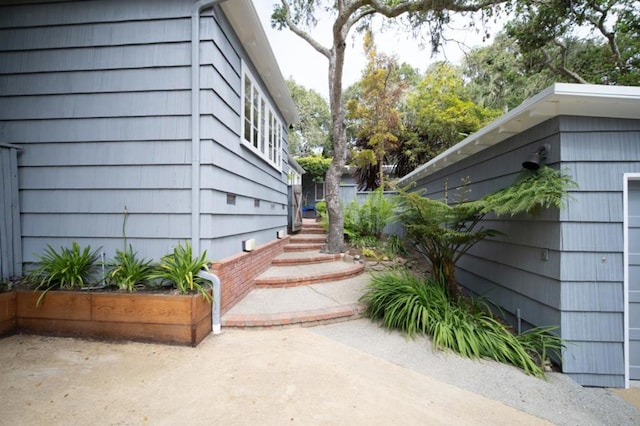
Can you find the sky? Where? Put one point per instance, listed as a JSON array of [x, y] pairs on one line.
[[309, 68]]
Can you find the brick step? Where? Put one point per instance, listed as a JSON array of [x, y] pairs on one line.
[[312, 225], [307, 230], [302, 306], [308, 239], [303, 318], [301, 275], [304, 258], [303, 247]]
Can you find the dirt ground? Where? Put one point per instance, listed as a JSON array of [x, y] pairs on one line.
[[266, 377]]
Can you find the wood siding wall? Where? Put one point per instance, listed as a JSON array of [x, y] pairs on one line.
[[10, 250], [98, 95], [597, 152], [562, 267]]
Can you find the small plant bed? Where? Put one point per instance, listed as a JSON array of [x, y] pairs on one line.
[[433, 304], [401, 300], [66, 295]]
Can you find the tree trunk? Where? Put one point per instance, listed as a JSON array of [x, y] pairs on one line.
[[335, 242]]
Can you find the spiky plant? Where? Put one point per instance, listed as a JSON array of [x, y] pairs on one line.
[[68, 269], [126, 271], [181, 269]]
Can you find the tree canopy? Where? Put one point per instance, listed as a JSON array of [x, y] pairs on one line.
[[301, 15], [311, 134], [588, 41]]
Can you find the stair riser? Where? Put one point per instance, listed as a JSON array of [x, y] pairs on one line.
[[309, 240], [296, 281], [302, 247], [301, 319], [312, 231], [304, 261]]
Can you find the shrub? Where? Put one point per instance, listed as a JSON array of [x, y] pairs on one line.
[[127, 271], [444, 233], [69, 269], [181, 269], [370, 218], [413, 305], [395, 246], [321, 208]]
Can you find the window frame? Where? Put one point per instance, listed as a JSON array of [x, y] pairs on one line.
[[266, 133]]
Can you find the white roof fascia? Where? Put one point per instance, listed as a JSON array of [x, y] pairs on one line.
[[589, 100], [244, 19]]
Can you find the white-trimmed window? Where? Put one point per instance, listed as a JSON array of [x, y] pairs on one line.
[[261, 129]]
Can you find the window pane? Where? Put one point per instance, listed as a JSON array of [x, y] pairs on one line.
[[271, 135], [247, 109], [264, 129], [255, 118]]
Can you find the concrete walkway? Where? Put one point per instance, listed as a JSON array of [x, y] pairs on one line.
[[344, 373], [255, 377]]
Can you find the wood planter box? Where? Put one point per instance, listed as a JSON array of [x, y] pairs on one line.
[[7, 312], [162, 318]]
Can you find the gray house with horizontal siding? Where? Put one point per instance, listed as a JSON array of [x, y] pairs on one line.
[[578, 267], [174, 110]]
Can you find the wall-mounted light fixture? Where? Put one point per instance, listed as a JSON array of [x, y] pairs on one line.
[[536, 158]]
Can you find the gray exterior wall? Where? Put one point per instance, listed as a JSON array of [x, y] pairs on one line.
[[97, 94], [564, 267], [10, 251]]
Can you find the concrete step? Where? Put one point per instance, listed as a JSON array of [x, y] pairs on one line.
[[303, 247], [308, 239], [307, 230], [304, 258], [304, 306], [300, 275]]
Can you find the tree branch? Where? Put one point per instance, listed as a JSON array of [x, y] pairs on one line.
[[301, 33]]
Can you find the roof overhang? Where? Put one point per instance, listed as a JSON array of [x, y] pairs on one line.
[[244, 19], [588, 100]]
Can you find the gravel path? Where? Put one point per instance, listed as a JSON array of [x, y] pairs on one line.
[[559, 399]]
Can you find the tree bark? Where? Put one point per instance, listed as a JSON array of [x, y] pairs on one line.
[[335, 241]]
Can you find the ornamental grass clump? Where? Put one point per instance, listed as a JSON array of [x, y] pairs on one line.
[[181, 268], [127, 271], [466, 326], [68, 269]]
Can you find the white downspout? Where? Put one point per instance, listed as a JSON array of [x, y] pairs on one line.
[[215, 310], [195, 120], [195, 154]]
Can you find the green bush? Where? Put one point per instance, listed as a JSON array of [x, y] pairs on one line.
[[181, 269], [126, 271], [395, 246], [444, 232], [370, 218], [321, 208], [69, 269], [417, 306]]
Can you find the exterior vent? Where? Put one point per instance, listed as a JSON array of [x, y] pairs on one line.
[[249, 245], [280, 234]]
